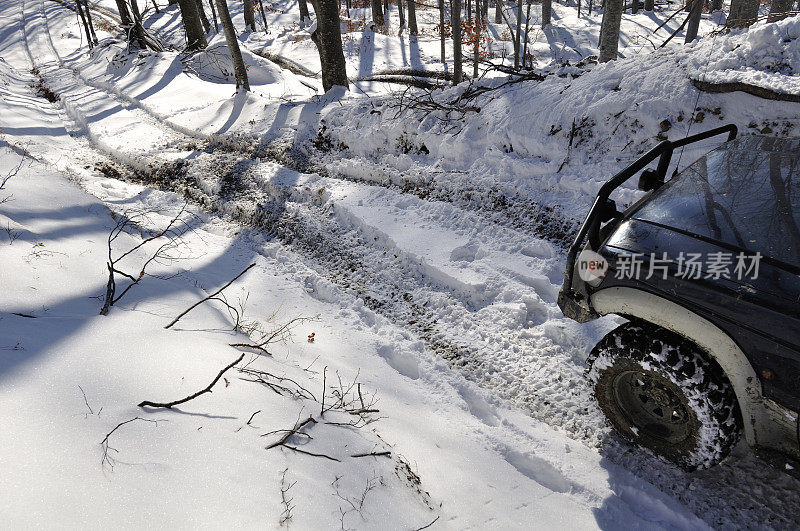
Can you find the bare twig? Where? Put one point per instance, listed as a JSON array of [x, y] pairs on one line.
[[104, 444], [297, 427], [373, 454], [267, 338], [91, 411], [286, 515], [213, 295], [195, 395], [430, 524], [253, 416]]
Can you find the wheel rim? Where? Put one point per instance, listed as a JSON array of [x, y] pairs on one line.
[[652, 405]]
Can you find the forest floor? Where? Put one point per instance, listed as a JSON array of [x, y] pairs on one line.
[[407, 256]]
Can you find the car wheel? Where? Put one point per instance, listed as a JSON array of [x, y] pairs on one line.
[[659, 390]]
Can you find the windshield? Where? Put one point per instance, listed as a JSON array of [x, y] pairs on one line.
[[745, 193]]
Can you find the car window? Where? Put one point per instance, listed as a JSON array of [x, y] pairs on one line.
[[746, 194]]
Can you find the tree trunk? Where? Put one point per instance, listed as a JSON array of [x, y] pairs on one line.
[[249, 15], [455, 22], [85, 24], [263, 15], [517, 39], [716, 5], [527, 28], [609, 32], [412, 17], [634, 6], [498, 14], [441, 30], [377, 13], [778, 10], [650, 4], [89, 20], [328, 38], [694, 20], [195, 37], [138, 29], [305, 16], [476, 52], [233, 45], [547, 12], [214, 13], [743, 13], [203, 17], [402, 16], [469, 9]]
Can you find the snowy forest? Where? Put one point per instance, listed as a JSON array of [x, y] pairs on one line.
[[301, 264]]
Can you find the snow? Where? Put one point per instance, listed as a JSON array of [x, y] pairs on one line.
[[430, 276]]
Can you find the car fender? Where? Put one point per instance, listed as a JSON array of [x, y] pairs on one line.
[[758, 417]]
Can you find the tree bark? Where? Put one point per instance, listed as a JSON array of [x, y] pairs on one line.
[[716, 5], [743, 13], [214, 13], [195, 36], [547, 12], [233, 45], [138, 29], [634, 6], [476, 52], [609, 32], [305, 16], [455, 21], [328, 38], [249, 15], [412, 17], [85, 24], [377, 12], [650, 4], [402, 16], [779, 10], [498, 14], [517, 39], [89, 20], [203, 17], [441, 30], [527, 28], [263, 15], [694, 20]]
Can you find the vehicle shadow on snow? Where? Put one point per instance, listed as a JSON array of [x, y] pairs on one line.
[[743, 492]]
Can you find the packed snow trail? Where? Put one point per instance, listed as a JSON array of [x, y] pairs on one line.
[[483, 299]]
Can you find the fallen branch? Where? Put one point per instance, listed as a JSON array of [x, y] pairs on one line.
[[753, 90], [297, 427], [198, 303], [168, 405], [373, 454]]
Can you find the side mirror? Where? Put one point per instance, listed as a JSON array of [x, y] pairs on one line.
[[650, 180]]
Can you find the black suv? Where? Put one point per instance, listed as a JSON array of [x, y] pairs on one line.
[[706, 268]]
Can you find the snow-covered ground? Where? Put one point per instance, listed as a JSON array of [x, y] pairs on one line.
[[426, 250]]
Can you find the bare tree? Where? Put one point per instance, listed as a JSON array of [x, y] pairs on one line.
[[694, 20], [743, 13], [214, 14], [377, 13], [328, 38], [518, 38], [441, 31], [547, 11], [412, 17], [455, 21], [233, 45], [779, 10], [498, 11], [249, 15], [609, 32], [305, 16], [195, 36], [85, 24], [401, 15], [203, 17], [650, 4]]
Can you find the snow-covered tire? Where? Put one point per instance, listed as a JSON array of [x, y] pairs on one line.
[[661, 391]]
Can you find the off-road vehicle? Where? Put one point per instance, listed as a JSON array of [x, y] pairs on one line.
[[706, 268]]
